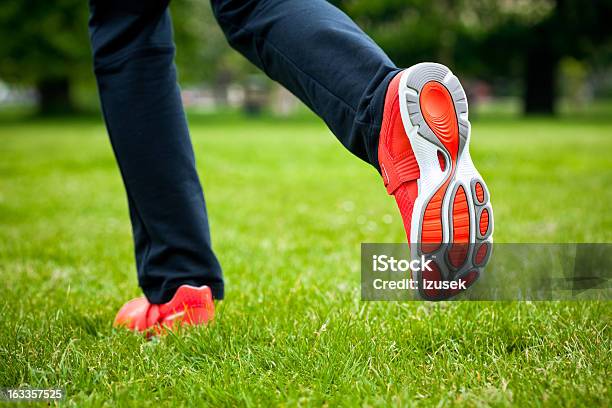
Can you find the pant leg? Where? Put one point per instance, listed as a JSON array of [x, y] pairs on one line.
[[321, 56], [133, 55]]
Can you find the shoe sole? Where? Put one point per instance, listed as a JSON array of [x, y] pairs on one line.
[[452, 215]]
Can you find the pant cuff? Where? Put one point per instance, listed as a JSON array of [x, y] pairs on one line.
[[159, 297]]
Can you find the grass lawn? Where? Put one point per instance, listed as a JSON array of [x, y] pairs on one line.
[[289, 209]]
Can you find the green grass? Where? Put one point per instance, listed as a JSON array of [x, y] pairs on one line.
[[289, 209]]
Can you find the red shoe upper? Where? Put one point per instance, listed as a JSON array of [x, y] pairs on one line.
[[397, 162], [189, 306]]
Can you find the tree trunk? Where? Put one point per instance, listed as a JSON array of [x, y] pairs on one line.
[[540, 80], [54, 96], [542, 62]]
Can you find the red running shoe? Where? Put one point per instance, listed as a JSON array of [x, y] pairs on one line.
[[426, 165], [189, 306]]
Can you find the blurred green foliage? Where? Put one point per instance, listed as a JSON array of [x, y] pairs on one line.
[[516, 45], [520, 42], [44, 44]]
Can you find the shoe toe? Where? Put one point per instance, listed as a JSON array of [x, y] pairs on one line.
[[133, 314]]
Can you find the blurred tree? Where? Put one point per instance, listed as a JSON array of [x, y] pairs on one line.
[[522, 41], [515, 39], [45, 44], [570, 28]]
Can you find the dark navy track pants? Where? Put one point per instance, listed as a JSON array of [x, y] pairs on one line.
[[309, 46]]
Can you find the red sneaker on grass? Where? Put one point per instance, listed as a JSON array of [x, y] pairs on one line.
[[189, 306], [426, 165]]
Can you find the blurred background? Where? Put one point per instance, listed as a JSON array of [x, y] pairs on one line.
[[515, 57]]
